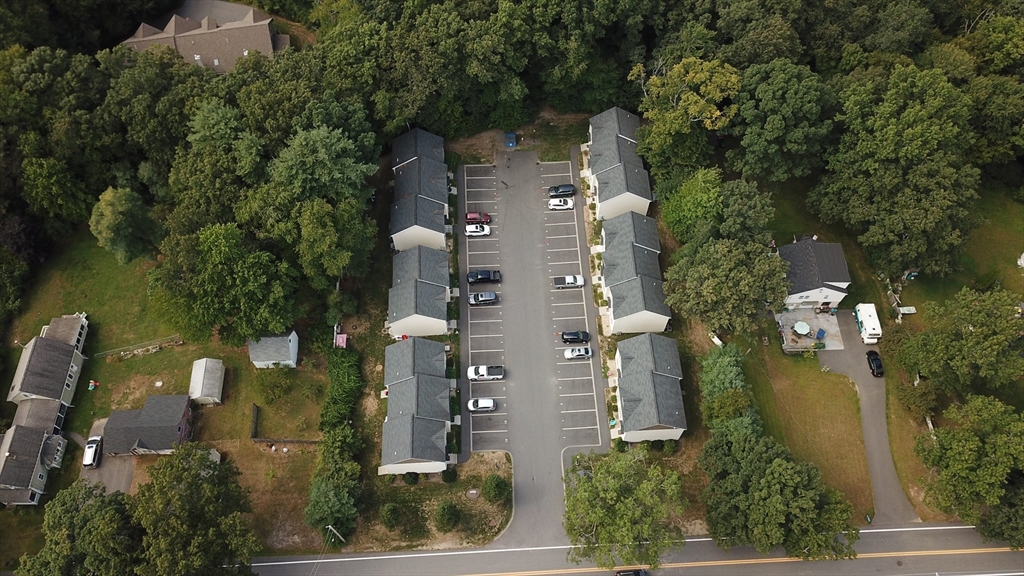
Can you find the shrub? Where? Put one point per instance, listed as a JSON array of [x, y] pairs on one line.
[[391, 515], [921, 400], [449, 475], [272, 384], [446, 517], [411, 478], [620, 445], [670, 447], [658, 445], [496, 489], [344, 389]]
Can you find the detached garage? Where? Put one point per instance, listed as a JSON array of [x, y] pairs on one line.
[[207, 383]]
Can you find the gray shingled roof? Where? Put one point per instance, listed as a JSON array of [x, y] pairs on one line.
[[814, 264], [649, 383], [417, 211], [613, 139], [413, 438], [622, 262], [627, 177], [632, 228], [417, 298], [21, 448], [271, 348], [421, 263], [422, 177], [43, 368], [37, 413], [417, 143], [207, 378], [404, 359], [64, 329], [154, 427], [637, 295], [422, 395]]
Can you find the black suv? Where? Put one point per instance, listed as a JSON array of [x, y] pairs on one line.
[[875, 364], [575, 337], [483, 298], [561, 190], [483, 276]]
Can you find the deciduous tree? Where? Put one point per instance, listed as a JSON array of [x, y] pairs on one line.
[[121, 224], [619, 507]]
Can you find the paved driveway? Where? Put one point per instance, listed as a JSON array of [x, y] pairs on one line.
[[545, 403], [114, 472], [891, 504]]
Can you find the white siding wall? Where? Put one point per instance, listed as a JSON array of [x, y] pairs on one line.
[[640, 322], [421, 467], [621, 204], [641, 435], [418, 236], [418, 326], [814, 298]]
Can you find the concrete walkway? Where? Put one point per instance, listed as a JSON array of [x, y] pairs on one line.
[[891, 504]]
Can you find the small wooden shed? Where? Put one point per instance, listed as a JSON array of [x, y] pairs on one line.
[[207, 383]]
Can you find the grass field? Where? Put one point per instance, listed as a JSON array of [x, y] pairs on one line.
[[815, 414], [551, 135], [84, 277]]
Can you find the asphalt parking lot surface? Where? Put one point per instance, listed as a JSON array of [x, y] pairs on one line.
[[547, 406]]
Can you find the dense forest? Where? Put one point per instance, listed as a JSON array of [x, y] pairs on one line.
[[251, 188]]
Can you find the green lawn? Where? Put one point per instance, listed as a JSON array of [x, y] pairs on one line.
[[552, 136]]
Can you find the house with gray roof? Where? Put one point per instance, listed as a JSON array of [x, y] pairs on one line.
[[27, 454], [162, 423], [420, 292], [212, 34], [818, 276], [275, 351], [631, 274], [613, 168], [412, 443], [420, 207], [207, 383], [648, 374], [43, 388], [412, 356]]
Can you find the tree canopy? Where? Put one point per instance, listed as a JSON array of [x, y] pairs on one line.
[[619, 508]]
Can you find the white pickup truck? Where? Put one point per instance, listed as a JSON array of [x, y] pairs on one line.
[[567, 282], [485, 372]]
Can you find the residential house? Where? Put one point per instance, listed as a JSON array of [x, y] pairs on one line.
[[818, 276], [275, 351], [614, 170], [631, 274], [212, 34], [405, 359], [162, 423], [420, 292], [650, 400], [43, 388], [420, 207], [207, 383]]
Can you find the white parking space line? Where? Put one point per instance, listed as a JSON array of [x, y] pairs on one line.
[[577, 378], [580, 428], [568, 363], [490, 413], [506, 430], [480, 177], [486, 335], [566, 236], [485, 238], [571, 318], [581, 394], [479, 321], [576, 262], [496, 350], [485, 252], [481, 201], [568, 304], [563, 249], [554, 175], [575, 411], [558, 224]]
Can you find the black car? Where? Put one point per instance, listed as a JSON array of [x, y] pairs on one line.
[[561, 190], [575, 337], [483, 276], [483, 298], [638, 572], [875, 364]]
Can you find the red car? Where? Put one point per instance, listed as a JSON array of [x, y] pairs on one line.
[[478, 218]]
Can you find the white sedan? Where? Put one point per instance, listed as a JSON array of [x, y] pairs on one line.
[[482, 405], [560, 204], [578, 353], [478, 230]]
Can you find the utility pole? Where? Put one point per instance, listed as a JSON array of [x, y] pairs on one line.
[[331, 528]]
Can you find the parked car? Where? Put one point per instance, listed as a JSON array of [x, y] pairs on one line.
[[875, 364], [478, 230], [483, 277], [560, 204], [482, 298], [478, 218], [578, 353], [575, 337], [637, 572], [482, 405], [561, 190], [93, 452]]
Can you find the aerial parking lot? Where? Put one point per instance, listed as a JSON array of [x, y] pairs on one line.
[[545, 403]]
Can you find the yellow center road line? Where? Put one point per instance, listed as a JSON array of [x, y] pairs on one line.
[[747, 561]]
